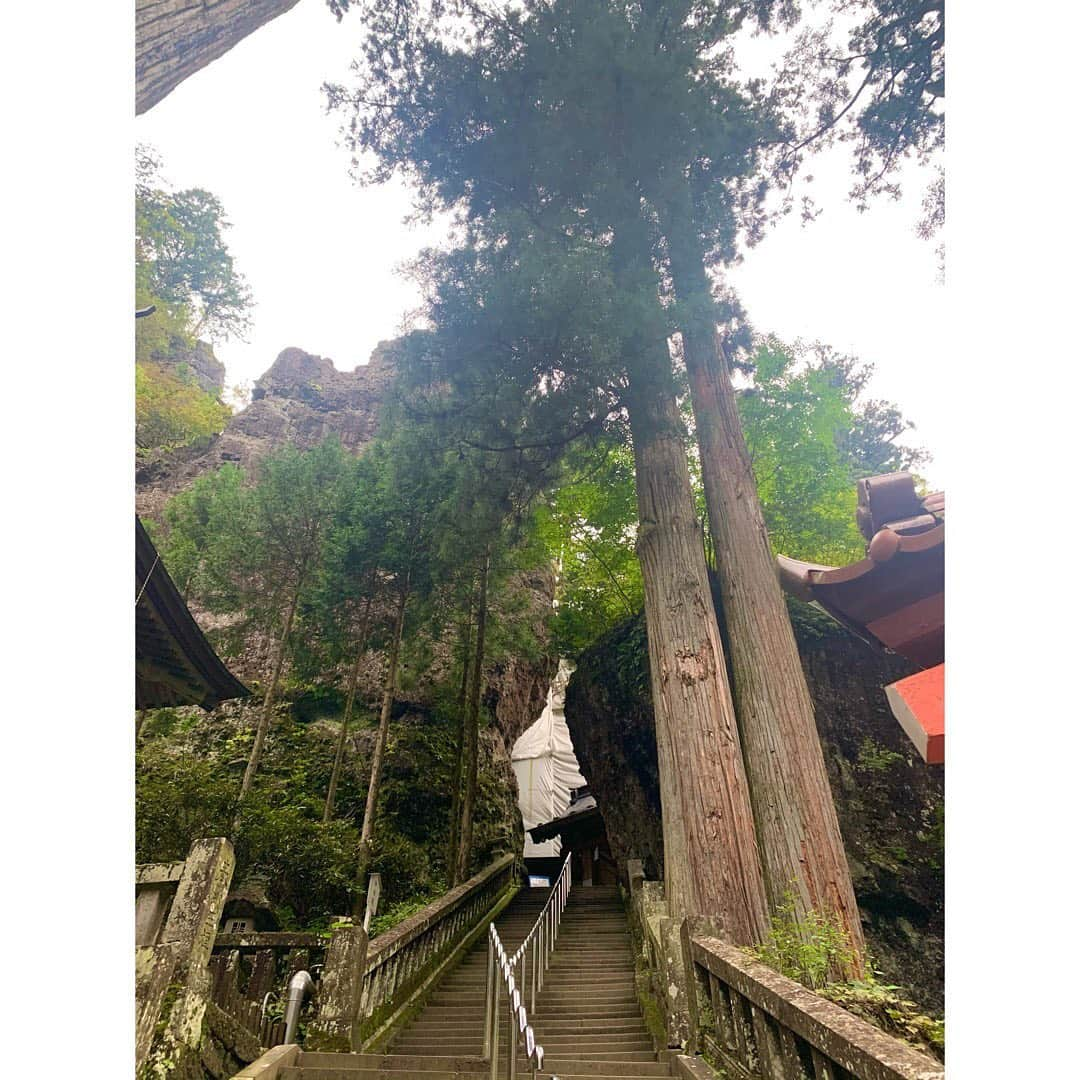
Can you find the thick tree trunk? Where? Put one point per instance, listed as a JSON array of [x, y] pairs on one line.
[[269, 700], [710, 850], [363, 861], [459, 752], [339, 754], [472, 730], [711, 864], [798, 834], [175, 38]]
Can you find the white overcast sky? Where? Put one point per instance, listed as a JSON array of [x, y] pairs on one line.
[[321, 254]]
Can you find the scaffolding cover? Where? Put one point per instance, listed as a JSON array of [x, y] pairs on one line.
[[546, 767]]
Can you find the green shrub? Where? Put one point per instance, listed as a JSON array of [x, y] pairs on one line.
[[808, 950]]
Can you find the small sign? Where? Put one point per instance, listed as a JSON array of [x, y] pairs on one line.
[[374, 889]]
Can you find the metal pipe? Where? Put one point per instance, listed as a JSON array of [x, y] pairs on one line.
[[300, 985]]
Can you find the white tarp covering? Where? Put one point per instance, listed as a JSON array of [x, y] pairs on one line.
[[546, 767]]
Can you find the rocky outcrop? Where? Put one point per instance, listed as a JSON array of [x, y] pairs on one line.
[[300, 400], [199, 359], [890, 804], [176, 38]]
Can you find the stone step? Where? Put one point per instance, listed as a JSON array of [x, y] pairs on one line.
[[587, 1017], [596, 1069], [400, 1062]]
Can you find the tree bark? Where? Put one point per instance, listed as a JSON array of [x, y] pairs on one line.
[[459, 752], [175, 38], [472, 729], [268, 701], [711, 864], [363, 861], [339, 755], [798, 834], [710, 851]]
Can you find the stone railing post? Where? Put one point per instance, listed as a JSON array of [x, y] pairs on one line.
[[180, 960], [337, 1021], [696, 991], [199, 901]]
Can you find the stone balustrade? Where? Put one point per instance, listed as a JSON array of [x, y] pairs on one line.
[[760, 1024], [751, 1021], [400, 961], [367, 988]]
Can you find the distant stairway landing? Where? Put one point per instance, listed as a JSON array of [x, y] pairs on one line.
[[587, 1016]]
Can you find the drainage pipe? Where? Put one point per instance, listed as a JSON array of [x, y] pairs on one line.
[[300, 985]]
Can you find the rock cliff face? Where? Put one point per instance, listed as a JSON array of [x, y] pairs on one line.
[[300, 400], [890, 804], [176, 38], [200, 360]]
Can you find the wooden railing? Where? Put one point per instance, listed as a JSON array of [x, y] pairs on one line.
[[764, 1025], [401, 961], [245, 968]]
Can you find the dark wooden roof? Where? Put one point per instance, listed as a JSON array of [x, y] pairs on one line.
[[583, 812], [896, 595], [174, 663]]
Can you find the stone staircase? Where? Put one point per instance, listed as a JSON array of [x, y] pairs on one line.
[[587, 1016]]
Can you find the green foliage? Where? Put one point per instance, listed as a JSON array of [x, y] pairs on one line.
[[810, 951], [883, 89], [874, 758], [197, 522], [883, 1006], [793, 418], [589, 525], [172, 410], [399, 912], [182, 269], [188, 770], [806, 950], [181, 261]]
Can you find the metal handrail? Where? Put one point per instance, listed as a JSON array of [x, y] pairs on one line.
[[540, 940]]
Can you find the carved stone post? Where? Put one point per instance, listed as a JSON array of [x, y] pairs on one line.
[[697, 994], [337, 1022], [181, 958]]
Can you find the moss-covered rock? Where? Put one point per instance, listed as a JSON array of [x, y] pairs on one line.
[[889, 802]]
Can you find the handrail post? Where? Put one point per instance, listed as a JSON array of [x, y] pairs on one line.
[[495, 1030], [489, 990], [511, 1043]]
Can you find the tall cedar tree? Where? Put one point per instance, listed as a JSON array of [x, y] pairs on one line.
[[486, 514], [614, 112], [561, 327], [255, 549], [402, 507]]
